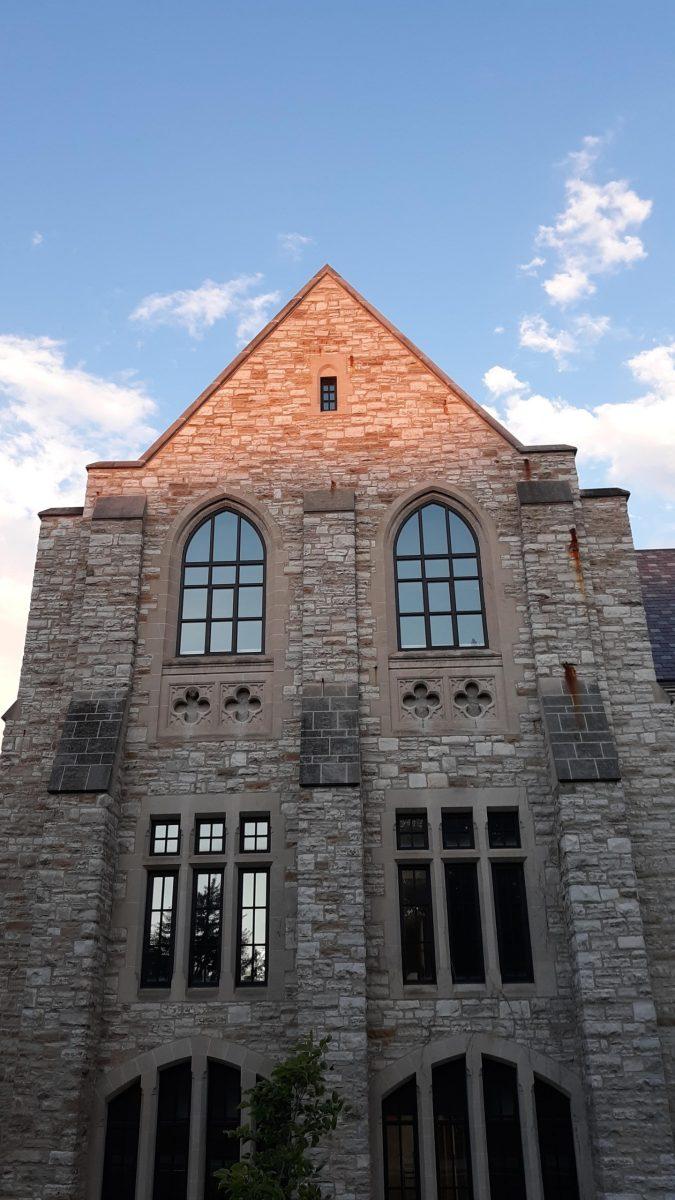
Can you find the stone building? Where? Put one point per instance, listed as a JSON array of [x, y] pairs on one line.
[[338, 713]]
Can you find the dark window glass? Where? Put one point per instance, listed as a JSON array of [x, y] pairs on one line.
[[223, 588], [222, 1114], [502, 1130], [451, 1126], [513, 928], [160, 928], [121, 1144], [439, 597], [457, 830], [466, 937], [165, 836], [503, 829], [173, 1133], [252, 924], [401, 1153], [328, 393], [206, 930], [254, 834], [210, 835], [412, 831], [417, 925], [556, 1143]]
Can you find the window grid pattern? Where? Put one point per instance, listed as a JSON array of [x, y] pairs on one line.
[[439, 590], [210, 835], [401, 1150], [412, 831], [223, 588], [254, 834], [165, 837], [417, 925], [206, 930], [160, 929], [253, 927], [328, 393]]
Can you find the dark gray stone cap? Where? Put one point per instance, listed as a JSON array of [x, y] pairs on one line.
[[60, 512], [12, 712], [119, 508], [331, 500], [544, 491], [600, 493]]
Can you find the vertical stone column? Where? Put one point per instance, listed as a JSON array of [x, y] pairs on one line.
[[331, 951], [67, 885], [623, 1067]]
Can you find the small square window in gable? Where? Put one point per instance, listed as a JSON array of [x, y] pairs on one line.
[[330, 384]]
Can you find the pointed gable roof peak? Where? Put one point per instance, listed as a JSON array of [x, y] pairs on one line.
[[326, 271]]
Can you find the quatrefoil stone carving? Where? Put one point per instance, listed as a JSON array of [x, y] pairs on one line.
[[242, 706], [421, 701], [192, 706], [473, 699]]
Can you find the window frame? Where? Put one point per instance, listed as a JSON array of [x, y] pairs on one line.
[[257, 817], [151, 875], [428, 647], [242, 870], [426, 867], [214, 819], [204, 869], [329, 407], [398, 1125], [209, 564], [162, 820]]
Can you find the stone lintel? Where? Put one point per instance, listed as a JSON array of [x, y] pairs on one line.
[[119, 508], [60, 512], [544, 491], [330, 500], [603, 493]]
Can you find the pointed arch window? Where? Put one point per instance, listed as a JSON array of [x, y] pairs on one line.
[[121, 1144], [439, 588], [222, 601]]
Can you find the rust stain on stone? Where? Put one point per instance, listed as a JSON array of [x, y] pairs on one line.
[[527, 468], [573, 551], [572, 685]]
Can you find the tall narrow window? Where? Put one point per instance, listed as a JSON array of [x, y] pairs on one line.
[[464, 924], [222, 1115], [253, 922], [401, 1152], [556, 1143], [223, 588], [160, 928], [417, 925], [207, 929], [451, 1124], [513, 929], [121, 1144], [173, 1133], [502, 1130], [328, 393], [439, 593]]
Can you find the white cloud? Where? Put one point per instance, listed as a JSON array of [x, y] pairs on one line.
[[632, 442], [293, 244], [199, 308], [499, 329], [595, 233], [55, 418], [37, 238], [532, 267], [501, 382], [536, 334]]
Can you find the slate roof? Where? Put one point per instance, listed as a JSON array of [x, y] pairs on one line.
[[657, 576]]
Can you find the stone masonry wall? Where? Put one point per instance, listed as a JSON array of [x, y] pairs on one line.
[[259, 441]]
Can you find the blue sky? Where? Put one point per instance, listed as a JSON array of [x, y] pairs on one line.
[[149, 147]]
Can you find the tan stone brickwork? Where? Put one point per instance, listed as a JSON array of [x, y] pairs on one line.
[[258, 442]]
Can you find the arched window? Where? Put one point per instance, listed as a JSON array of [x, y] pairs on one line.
[[401, 1150], [121, 1144], [439, 590], [223, 588]]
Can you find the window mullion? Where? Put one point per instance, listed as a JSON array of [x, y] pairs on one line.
[[528, 1125], [195, 1184], [148, 1132], [426, 1133], [474, 1087]]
